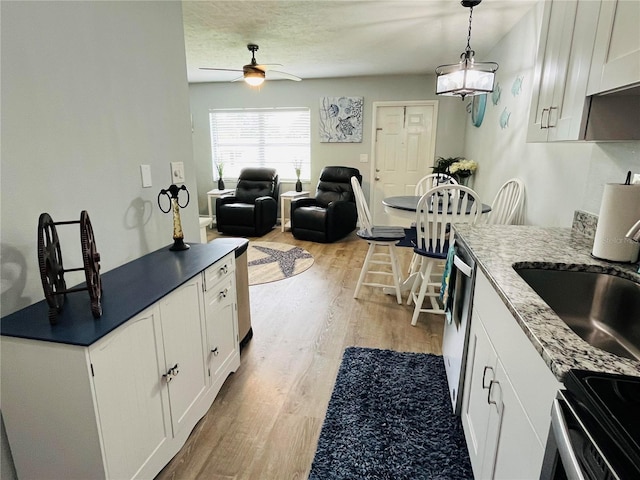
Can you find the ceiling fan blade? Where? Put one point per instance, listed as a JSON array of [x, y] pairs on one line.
[[241, 77], [288, 76], [221, 69]]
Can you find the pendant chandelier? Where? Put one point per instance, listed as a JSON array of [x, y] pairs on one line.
[[467, 77]]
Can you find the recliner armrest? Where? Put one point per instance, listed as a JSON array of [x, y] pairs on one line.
[[226, 200], [342, 208], [303, 202]]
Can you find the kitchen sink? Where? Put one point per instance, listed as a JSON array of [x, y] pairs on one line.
[[603, 309]]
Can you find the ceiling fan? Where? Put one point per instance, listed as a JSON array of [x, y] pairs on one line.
[[253, 73]]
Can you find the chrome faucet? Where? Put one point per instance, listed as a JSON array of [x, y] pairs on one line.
[[634, 234]]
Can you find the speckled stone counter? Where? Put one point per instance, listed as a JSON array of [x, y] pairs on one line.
[[496, 248]]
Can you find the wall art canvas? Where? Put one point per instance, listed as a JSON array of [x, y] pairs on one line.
[[341, 119]]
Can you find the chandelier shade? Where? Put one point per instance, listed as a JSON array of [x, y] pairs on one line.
[[467, 77]]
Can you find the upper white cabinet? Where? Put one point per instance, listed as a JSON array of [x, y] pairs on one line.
[[559, 104], [616, 56]]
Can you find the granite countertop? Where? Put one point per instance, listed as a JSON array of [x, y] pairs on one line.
[[497, 247]]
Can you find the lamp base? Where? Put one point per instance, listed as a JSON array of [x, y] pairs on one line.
[[179, 245]]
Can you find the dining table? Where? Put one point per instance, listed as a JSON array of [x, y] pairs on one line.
[[405, 206]]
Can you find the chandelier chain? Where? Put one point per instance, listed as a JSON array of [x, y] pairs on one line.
[[469, 34]]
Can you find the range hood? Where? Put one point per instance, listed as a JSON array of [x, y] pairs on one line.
[[614, 116]]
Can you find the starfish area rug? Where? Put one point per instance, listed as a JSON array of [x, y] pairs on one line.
[[271, 261]]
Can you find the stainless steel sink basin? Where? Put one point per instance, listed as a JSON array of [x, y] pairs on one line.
[[603, 309]]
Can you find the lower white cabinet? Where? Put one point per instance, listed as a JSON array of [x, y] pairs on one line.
[[507, 396], [123, 406]]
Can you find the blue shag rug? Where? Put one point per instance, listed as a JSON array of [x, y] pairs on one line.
[[390, 417]]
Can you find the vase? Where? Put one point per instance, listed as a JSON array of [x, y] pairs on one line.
[[298, 186], [220, 184]]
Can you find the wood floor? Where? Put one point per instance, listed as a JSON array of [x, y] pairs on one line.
[[266, 420]]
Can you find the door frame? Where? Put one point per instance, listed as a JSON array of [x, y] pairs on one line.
[[374, 126]]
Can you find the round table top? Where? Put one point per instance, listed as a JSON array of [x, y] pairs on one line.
[[408, 203]]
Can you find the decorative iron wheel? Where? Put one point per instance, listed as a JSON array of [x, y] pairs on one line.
[[50, 264], [91, 261]]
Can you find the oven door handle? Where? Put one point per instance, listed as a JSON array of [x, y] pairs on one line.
[[462, 266], [563, 441]]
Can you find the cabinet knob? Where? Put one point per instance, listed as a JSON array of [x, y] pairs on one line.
[[215, 352], [224, 293], [224, 269]]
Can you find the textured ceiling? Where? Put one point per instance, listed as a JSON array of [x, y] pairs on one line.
[[324, 39]]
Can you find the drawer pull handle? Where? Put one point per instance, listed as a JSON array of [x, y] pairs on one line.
[[491, 384], [224, 293], [171, 373], [215, 352], [484, 373], [542, 125]]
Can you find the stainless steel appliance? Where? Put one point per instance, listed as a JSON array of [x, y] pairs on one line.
[[595, 429], [458, 322]]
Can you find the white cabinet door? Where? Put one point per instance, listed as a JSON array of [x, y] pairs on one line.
[[616, 56], [501, 440], [183, 334], [132, 404], [220, 314], [518, 452], [477, 407], [559, 104]]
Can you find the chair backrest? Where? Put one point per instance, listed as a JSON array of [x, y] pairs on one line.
[[506, 208], [433, 180], [335, 185], [257, 182], [364, 215], [438, 209]]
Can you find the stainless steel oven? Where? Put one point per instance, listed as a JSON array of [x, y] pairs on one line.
[[458, 322], [594, 433]]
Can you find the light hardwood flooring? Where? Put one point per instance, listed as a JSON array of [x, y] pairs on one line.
[[266, 420]]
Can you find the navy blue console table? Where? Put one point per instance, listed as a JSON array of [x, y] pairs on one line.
[[126, 291]]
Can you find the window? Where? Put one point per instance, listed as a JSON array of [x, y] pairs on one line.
[[279, 138]]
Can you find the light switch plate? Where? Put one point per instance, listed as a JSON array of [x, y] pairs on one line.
[[145, 172], [177, 172], [636, 178]]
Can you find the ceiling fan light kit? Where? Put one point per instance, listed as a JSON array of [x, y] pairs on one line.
[[253, 73], [467, 77]]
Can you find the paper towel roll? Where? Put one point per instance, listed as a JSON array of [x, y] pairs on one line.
[[619, 211]]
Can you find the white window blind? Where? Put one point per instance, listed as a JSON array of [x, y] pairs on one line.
[[279, 138]]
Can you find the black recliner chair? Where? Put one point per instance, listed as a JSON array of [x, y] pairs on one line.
[[253, 210], [332, 214]]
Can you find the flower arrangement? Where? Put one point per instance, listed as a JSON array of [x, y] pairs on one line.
[[458, 167], [220, 169], [297, 165], [463, 168]]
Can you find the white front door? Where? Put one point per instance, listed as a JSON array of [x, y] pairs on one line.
[[404, 148]]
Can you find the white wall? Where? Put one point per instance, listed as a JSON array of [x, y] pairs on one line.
[[282, 93], [90, 90], [559, 177]]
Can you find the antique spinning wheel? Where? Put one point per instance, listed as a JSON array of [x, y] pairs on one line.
[[52, 270]]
